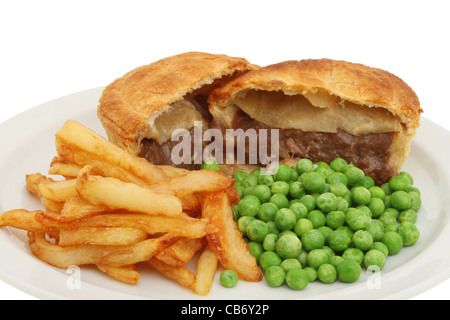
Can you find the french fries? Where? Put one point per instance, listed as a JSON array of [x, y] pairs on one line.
[[115, 210]]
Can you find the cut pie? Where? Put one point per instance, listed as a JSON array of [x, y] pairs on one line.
[[325, 109], [140, 110]]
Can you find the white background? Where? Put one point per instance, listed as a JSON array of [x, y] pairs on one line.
[[53, 48]]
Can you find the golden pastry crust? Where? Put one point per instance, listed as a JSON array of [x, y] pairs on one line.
[[128, 103], [351, 82]]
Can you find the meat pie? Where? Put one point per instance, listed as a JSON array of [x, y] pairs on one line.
[[140, 110], [325, 109]]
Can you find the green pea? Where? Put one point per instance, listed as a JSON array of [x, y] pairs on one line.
[[240, 190], [314, 182], [288, 246], [353, 254], [275, 276], [268, 259], [416, 202], [338, 189], [257, 230], [386, 188], [256, 249], [376, 206], [366, 210], [325, 231], [393, 242], [409, 232], [368, 182], [343, 204], [304, 165], [348, 271], [267, 211], [272, 227], [313, 239], [360, 195], [335, 219], [266, 179], [228, 278], [339, 240], [312, 273], [362, 240], [317, 257], [283, 173], [399, 182], [250, 181], [356, 219], [290, 263], [377, 192], [335, 260], [294, 174], [248, 191], [303, 258], [392, 212], [374, 258], [408, 176], [210, 165], [317, 218], [270, 241], [240, 175], [280, 187], [355, 176], [262, 192], [408, 215], [297, 279], [327, 273], [339, 165], [376, 229], [387, 219], [256, 172], [249, 206], [400, 200], [302, 225], [327, 202], [309, 201], [380, 246], [243, 223], [285, 219], [280, 200], [296, 190], [337, 177], [299, 209]]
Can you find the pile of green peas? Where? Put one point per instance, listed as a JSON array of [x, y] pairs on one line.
[[324, 221]]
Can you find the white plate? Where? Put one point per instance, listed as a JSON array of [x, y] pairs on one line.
[[28, 147]]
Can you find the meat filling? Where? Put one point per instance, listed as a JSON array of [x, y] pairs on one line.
[[370, 152]]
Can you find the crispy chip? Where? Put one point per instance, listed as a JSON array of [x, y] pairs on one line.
[[116, 256], [227, 242], [101, 236], [182, 251], [77, 136], [126, 274], [117, 194], [180, 274], [183, 225], [206, 270]]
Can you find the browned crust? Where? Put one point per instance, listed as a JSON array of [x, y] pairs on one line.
[[127, 103], [352, 82]]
